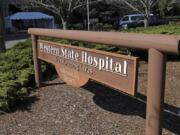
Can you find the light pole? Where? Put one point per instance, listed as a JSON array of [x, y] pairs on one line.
[[88, 20], [2, 29]]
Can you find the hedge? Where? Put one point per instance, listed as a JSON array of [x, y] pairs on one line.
[[16, 74]]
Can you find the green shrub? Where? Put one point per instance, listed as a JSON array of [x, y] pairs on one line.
[[16, 74]]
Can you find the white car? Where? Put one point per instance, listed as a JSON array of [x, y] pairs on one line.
[[132, 20]]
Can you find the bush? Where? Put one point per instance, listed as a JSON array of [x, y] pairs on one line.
[[16, 74]]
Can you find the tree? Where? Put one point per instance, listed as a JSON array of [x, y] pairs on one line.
[[103, 11], [2, 30], [89, 2], [167, 6], [162, 6], [173, 6], [62, 8], [141, 6]]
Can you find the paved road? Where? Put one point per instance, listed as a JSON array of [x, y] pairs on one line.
[[13, 39], [10, 44]]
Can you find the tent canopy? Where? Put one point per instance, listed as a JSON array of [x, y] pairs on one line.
[[29, 19], [30, 16]]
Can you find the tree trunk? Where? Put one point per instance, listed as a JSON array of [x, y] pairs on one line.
[[146, 17], [2, 30], [64, 23], [146, 22]]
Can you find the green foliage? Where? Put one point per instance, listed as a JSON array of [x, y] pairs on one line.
[[162, 6], [16, 74], [163, 29], [16, 69]]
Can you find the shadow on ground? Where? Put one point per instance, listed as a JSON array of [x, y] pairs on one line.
[[117, 102], [26, 103], [23, 104]]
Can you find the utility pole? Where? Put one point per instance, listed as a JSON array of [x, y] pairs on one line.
[[88, 20], [2, 29]]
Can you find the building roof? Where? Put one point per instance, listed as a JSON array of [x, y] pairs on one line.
[[29, 16]]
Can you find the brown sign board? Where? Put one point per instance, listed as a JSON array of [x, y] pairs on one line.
[[76, 65]]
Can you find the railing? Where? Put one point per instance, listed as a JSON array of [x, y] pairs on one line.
[[157, 45]]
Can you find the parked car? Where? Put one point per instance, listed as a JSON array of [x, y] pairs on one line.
[[131, 20], [137, 20]]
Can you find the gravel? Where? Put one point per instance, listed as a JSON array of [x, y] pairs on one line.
[[59, 109]]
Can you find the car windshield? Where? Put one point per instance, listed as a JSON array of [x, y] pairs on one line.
[[125, 18]]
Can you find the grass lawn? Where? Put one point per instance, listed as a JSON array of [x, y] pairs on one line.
[[163, 29]]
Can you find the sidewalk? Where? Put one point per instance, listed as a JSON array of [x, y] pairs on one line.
[[10, 44], [13, 39]]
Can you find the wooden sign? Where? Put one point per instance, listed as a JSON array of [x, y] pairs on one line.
[[76, 65]]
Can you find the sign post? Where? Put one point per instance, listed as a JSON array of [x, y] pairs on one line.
[[155, 92], [37, 63], [157, 45]]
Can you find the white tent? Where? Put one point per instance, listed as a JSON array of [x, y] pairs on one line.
[[30, 19]]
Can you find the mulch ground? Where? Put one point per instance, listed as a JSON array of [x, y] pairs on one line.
[[59, 109]]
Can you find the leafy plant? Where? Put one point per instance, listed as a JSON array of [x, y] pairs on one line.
[[16, 74]]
